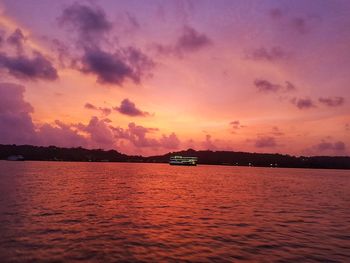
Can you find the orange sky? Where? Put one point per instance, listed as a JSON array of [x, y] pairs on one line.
[[152, 77]]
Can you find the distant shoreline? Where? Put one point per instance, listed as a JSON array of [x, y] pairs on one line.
[[166, 163], [225, 158]]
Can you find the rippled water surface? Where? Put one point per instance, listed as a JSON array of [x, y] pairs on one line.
[[103, 212]]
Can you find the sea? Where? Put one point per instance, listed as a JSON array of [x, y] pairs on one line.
[[135, 212]]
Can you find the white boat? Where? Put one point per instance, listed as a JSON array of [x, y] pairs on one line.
[[182, 160]]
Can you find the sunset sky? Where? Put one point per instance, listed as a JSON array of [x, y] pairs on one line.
[[149, 77]]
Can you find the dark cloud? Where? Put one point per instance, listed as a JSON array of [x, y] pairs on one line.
[[347, 127], [266, 86], [93, 31], [332, 101], [265, 142], [89, 21], [128, 63], [191, 40], [104, 110], [236, 125], [303, 103], [338, 146], [109, 68], [23, 67], [272, 54], [17, 40], [129, 108], [90, 106]]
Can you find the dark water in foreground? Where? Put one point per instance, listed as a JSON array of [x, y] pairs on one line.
[[102, 212]]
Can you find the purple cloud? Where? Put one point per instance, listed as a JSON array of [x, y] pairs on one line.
[[297, 24], [110, 67], [60, 134], [15, 120], [303, 103], [170, 142], [90, 106], [129, 108], [266, 86], [90, 22], [191, 40], [137, 135], [17, 127], [16, 39], [272, 54], [103, 134], [265, 142], [115, 68], [236, 125], [332, 101], [338, 146], [104, 110], [100, 133], [22, 67]]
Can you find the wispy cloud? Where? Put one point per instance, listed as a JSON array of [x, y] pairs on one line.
[[264, 54], [265, 142], [303, 103], [332, 101], [265, 86]]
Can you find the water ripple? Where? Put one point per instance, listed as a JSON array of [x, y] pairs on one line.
[[108, 212]]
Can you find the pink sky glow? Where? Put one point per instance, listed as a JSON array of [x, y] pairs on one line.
[[150, 77]]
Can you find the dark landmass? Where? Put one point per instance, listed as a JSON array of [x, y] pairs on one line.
[[53, 153]]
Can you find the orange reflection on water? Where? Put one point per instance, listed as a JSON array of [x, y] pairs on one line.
[[118, 211]]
